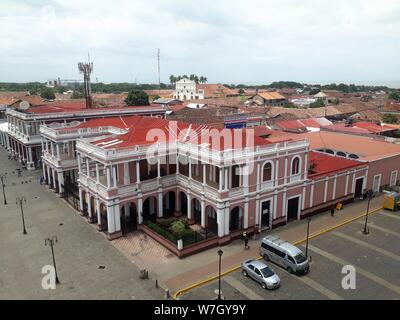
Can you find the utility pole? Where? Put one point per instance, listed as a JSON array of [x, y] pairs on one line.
[[21, 201], [51, 241], [3, 177], [369, 196], [87, 68], [159, 77]]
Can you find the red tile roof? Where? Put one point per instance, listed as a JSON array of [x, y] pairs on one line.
[[143, 131], [80, 106], [372, 127], [323, 164]]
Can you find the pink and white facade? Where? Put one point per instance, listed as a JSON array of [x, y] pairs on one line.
[[125, 179], [24, 141]]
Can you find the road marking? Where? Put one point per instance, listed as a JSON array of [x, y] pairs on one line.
[[367, 245], [318, 287], [242, 288], [374, 226], [390, 215], [363, 272]]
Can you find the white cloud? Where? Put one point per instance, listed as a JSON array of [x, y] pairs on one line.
[[225, 40]]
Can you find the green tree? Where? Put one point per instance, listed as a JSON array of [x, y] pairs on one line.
[[390, 118], [318, 104], [137, 98], [335, 101], [240, 91], [394, 95], [178, 228], [47, 93], [77, 95]]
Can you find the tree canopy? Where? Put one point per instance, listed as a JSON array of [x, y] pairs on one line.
[[390, 118], [394, 95], [195, 78], [137, 98], [47, 93]]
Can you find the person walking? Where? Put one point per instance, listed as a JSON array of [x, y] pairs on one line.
[[246, 240], [332, 211]]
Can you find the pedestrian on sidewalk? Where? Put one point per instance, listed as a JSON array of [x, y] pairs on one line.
[[246, 240], [332, 211]]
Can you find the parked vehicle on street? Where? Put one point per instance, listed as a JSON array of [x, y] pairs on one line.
[[283, 253], [261, 273]]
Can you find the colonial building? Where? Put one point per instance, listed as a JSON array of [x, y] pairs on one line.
[[133, 171], [23, 124], [186, 89]]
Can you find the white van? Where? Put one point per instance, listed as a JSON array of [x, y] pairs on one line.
[[284, 254]]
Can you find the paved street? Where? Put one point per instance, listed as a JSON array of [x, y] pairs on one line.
[[89, 267], [376, 258]]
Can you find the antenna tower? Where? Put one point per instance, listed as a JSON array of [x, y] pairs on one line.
[[158, 59], [86, 68]]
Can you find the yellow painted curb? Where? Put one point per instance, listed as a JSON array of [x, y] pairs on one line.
[[203, 282]]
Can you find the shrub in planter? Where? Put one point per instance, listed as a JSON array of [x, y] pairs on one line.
[[178, 228]]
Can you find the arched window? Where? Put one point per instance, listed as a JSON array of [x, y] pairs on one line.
[[341, 154], [267, 172], [295, 166], [329, 151], [353, 156]]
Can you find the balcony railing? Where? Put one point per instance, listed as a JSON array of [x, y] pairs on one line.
[[205, 154]]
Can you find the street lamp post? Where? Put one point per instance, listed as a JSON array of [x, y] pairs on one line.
[[369, 196], [51, 241], [308, 234], [220, 252], [21, 201], [2, 178]]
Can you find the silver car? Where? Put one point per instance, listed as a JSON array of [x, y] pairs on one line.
[[260, 272]]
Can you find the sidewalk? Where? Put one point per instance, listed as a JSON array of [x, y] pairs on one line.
[[185, 273]]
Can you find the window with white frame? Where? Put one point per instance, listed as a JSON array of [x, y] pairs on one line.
[[376, 183], [393, 178], [267, 172], [295, 166]]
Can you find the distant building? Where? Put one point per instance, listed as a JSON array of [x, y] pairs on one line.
[[53, 83], [185, 89], [269, 99]]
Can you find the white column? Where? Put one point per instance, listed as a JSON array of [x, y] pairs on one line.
[[284, 204], [114, 175], [30, 159], [221, 222], [334, 188], [60, 181], [140, 210], [160, 205], [226, 220], [54, 179], [80, 199], [89, 205], [108, 171], [117, 218], [158, 168], [203, 214], [306, 166], [79, 163], [87, 167], [126, 173], [190, 168], [204, 174], [58, 150], [110, 218], [258, 209], [326, 189], [98, 212], [286, 170], [220, 185], [258, 177], [346, 188], [189, 206], [226, 178], [312, 194], [48, 175], [137, 172], [97, 173], [246, 213]]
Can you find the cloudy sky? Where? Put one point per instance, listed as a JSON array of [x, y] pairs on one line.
[[228, 41]]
